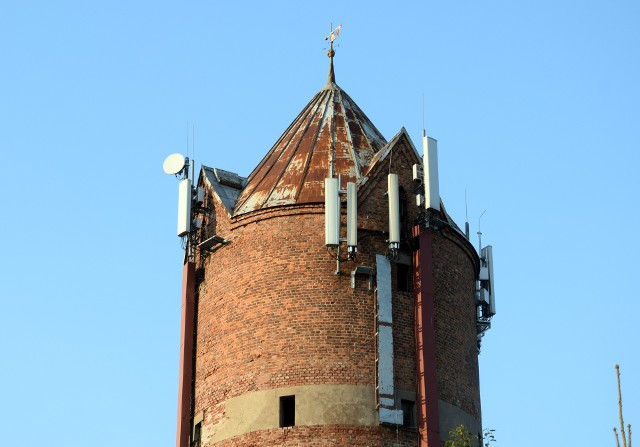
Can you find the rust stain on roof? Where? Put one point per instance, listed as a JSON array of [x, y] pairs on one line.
[[331, 129]]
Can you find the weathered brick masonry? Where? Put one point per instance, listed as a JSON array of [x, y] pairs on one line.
[[274, 318], [455, 269]]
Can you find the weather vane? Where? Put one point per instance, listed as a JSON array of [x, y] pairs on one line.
[[333, 35]]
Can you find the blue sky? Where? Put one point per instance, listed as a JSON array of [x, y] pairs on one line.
[[535, 106]]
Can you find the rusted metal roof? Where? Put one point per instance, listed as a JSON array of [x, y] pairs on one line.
[[331, 136]]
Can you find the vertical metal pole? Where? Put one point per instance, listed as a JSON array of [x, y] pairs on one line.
[[186, 354], [428, 415]]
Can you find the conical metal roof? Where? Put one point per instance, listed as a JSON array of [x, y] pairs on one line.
[[331, 136]]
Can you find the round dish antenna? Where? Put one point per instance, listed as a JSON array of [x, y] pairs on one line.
[[173, 164]]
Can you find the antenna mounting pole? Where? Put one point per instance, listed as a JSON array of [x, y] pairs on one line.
[[466, 215], [480, 232]]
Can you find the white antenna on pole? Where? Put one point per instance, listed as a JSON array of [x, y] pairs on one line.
[[430, 168], [352, 219], [184, 207], [176, 164], [393, 191], [332, 212]]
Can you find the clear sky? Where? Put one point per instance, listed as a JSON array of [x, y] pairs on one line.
[[535, 106]]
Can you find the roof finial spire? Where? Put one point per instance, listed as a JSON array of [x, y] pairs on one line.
[[333, 35]]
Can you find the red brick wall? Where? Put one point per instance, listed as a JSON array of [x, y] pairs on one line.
[[455, 322], [272, 313]]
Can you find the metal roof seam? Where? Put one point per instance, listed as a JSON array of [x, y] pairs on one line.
[[315, 141], [295, 150], [296, 123], [354, 154]]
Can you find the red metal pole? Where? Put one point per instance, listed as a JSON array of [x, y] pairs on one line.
[[428, 416], [186, 354]]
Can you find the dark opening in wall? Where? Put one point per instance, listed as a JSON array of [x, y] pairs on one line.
[[402, 277], [408, 413], [287, 411], [402, 205], [197, 435]]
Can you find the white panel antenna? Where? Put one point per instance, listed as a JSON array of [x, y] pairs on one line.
[[394, 211], [431, 181], [487, 254], [176, 164], [485, 288], [331, 212], [184, 207], [352, 218], [418, 180]]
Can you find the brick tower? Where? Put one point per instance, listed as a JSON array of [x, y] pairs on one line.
[[288, 340]]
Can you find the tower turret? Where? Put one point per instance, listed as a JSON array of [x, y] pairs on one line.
[[290, 349]]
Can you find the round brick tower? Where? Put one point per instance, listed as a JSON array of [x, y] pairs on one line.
[[295, 344]]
